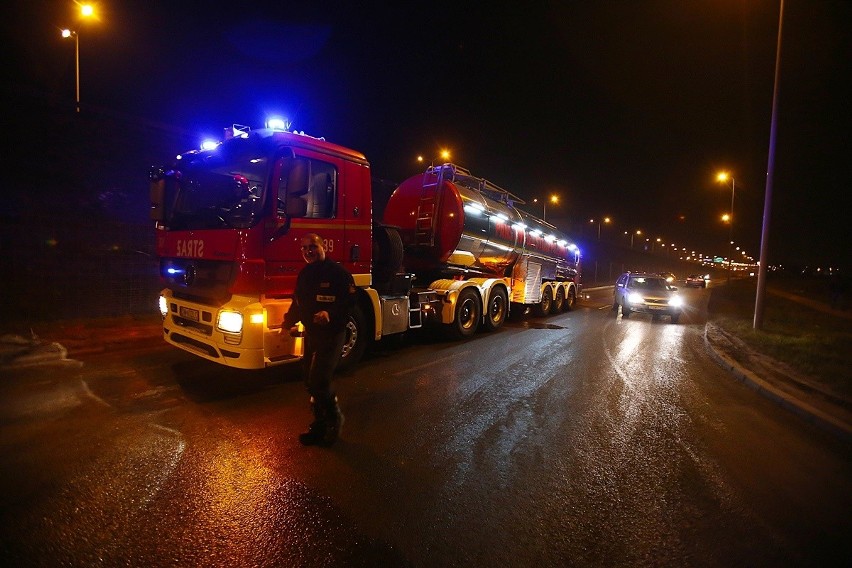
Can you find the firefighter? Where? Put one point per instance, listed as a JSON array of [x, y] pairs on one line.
[[324, 292]]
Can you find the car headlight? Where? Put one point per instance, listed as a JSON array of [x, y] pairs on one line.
[[676, 301], [230, 322], [164, 306], [635, 298]]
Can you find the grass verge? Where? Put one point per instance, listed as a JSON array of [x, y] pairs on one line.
[[814, 343]]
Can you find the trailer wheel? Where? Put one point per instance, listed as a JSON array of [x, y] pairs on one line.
[[570, 300], [497, 306], [355, 343], [468, 314], [558, 301], [543, 308]]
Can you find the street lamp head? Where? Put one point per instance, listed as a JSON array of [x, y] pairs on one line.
[[722, 176], [67, 33], [87, 10]]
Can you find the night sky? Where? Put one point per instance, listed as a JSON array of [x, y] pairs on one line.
[[622, 108]]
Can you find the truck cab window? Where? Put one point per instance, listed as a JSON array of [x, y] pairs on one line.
[[308, 188]]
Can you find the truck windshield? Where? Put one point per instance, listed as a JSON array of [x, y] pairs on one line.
[[221, 188]]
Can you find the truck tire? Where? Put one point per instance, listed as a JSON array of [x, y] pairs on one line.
[[355, 343], [543, 307], [387, 255], [558, 301], [570, 300], [468, 314], [498, 305]]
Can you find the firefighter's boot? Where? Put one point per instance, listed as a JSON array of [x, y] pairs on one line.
[[316, 431]]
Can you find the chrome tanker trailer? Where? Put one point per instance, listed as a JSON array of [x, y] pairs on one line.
[[472, 254]]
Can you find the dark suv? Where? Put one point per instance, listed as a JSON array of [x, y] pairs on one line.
[[647, 293]]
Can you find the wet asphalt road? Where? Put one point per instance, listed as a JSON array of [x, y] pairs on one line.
[[579, 439]]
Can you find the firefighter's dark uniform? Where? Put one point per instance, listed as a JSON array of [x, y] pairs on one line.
[[323, 285]]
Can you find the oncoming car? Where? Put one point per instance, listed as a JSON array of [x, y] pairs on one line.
[[696, 280], [646, 293]]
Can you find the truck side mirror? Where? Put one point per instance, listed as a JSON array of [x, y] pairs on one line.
[[158, 194]]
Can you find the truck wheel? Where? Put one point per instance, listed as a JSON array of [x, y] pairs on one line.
[[543, 308], [468, 314], [387, 254], [355, 343], [558, 301], [570, 300], [497, 306]]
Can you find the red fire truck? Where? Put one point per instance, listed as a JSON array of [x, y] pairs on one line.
[[451, 249]]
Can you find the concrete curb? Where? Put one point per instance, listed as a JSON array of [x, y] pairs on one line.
[[804, 410]]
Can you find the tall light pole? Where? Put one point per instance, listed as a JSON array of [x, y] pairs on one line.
[[723, 177], [86, 11], [66, 34], [770, 174], [633, 235], [553, 199], [599, 221]]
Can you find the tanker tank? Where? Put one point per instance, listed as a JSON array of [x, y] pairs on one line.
[[454, 224]]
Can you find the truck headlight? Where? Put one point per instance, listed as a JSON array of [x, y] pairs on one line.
[[676, 301], [635, 298], [164, 306], [230, 322]]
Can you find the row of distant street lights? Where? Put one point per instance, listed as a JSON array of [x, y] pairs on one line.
[[87, 11]]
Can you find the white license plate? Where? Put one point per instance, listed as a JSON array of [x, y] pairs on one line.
[[188, 313]]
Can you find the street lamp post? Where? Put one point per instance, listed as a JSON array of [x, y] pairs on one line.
[[76, 36], [633, 235], [553, 199], [770, 175], [86, 11], [723, 177], [599, 221]]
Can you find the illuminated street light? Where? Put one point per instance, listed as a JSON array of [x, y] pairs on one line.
[[553, 199], [633, 235], [66, 34], [443, 155], [604, 220], [86, 11], [723, 177]]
